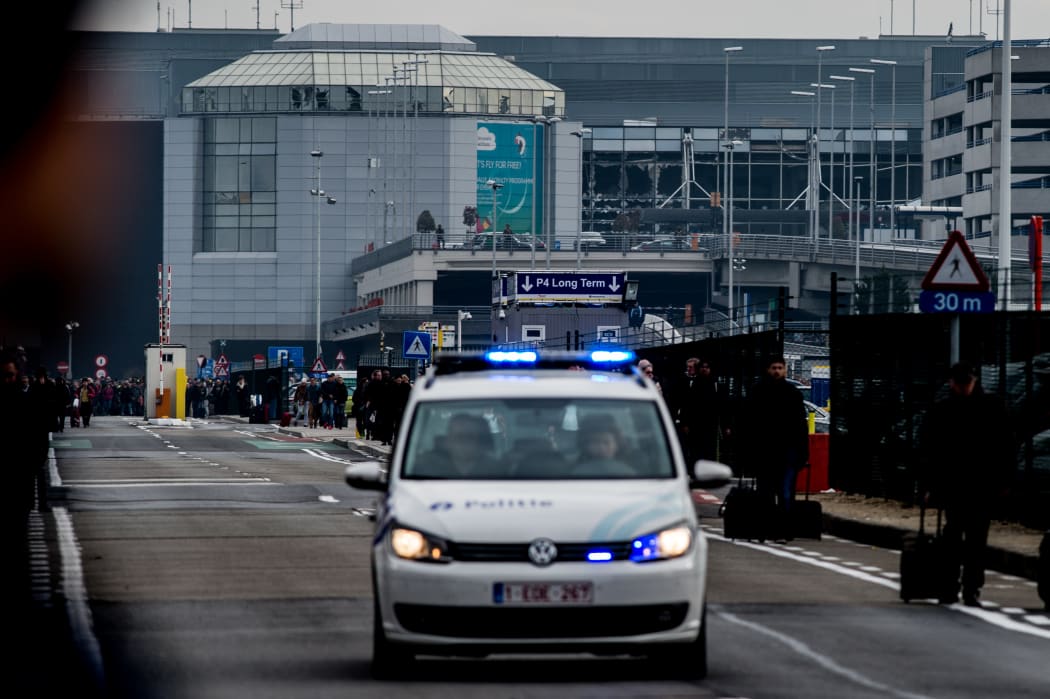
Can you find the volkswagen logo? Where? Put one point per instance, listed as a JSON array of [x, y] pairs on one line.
[[542, 552]]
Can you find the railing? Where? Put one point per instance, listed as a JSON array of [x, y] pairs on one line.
[[1044, 90], [978, 142], [980, 96], [950, 90], [1044, 136], [1024, 43], [1041, 183]]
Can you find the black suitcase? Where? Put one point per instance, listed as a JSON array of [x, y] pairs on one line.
[[1044, 571], [807, 516], [747, 514], [257, 415], [927, 568]]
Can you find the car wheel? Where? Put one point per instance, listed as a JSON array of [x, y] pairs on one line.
[[389, 660], [685, 660]]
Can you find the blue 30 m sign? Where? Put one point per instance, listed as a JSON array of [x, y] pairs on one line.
[[956, 301]]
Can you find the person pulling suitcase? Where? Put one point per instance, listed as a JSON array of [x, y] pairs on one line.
[[776, 441], [968, 463]]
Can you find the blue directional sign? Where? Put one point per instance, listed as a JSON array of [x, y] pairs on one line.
[[579, 287], [956, 301], [415, 345], [274, 355]]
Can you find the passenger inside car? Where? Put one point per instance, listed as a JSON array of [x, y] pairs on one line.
[[465, 451], [603, 451]]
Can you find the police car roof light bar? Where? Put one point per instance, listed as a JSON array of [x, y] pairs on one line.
[[598, 360]]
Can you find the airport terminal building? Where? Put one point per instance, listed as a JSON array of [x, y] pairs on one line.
[[575, 131]]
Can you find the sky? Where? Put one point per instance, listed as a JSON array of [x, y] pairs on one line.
[[665, 18]]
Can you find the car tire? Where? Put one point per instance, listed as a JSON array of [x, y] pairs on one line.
[[389, 660], [687, 661]]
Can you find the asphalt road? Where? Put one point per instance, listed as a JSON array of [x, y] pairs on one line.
[[232, 561]]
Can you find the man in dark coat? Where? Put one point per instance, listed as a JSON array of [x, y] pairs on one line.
[[968, 464], [776, 439], [699, 411]]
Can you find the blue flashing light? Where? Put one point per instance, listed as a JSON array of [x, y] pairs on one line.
[[509, 357], [645, 548], [599, 556], [612, 356]]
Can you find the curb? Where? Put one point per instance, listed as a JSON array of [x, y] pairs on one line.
[[890, 537]]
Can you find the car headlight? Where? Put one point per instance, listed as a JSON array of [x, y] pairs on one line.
[[417, 546], [666, 543]]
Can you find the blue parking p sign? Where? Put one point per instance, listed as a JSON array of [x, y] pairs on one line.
[[415, 345]]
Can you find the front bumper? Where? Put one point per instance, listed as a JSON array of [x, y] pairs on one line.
[[425, 604]]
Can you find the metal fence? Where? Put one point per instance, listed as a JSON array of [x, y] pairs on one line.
[[886, 372]]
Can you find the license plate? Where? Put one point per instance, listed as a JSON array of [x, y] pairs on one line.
[[543, 593]]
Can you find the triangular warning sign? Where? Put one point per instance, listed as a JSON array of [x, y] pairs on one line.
[[956, 268], [318, 366], [340, 367], [340, 356], [416, 349]]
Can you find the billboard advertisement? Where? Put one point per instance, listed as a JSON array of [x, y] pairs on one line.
[[510, 154]]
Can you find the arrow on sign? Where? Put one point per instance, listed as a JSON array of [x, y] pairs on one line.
[[527, 286], [614, 286]]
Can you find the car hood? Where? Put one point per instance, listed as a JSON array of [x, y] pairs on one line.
[[513, 511]]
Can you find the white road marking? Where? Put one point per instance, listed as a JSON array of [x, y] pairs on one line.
[[1011, 610], [75, 592], [327, 498], [992, 616], [1038, 619], [317, 453], [822, 660]]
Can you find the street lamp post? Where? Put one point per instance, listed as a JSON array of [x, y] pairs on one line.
[[728, 222], [816, 143], [856, 242], [813, 180], [548, 205], [460, 317], [852, 82], [319, 194], [496, 186], [871, 153], [893, 141], [579, 134], [725, 116], [70, 327], [831, 154]]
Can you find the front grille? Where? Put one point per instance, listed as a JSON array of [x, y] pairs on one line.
[[546, 622], [519, 553]]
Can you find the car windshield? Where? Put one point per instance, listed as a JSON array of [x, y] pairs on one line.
[[537, 439]]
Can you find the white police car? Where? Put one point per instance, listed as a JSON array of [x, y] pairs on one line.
[[529, 507]]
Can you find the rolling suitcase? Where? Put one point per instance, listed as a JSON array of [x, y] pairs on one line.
[[927, 569], [257, 415], [807, 516], [747, 514]]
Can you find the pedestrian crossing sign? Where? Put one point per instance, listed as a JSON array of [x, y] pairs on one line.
[[318, 366], [416, 345], [956, 268]]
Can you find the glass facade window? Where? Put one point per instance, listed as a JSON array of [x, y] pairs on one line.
[[434, 82], [239, 185]]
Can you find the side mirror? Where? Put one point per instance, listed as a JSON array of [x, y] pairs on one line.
[[710, 474], [368, 475]]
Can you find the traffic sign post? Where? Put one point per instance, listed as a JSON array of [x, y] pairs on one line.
[[955, 283], [416, 345]]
